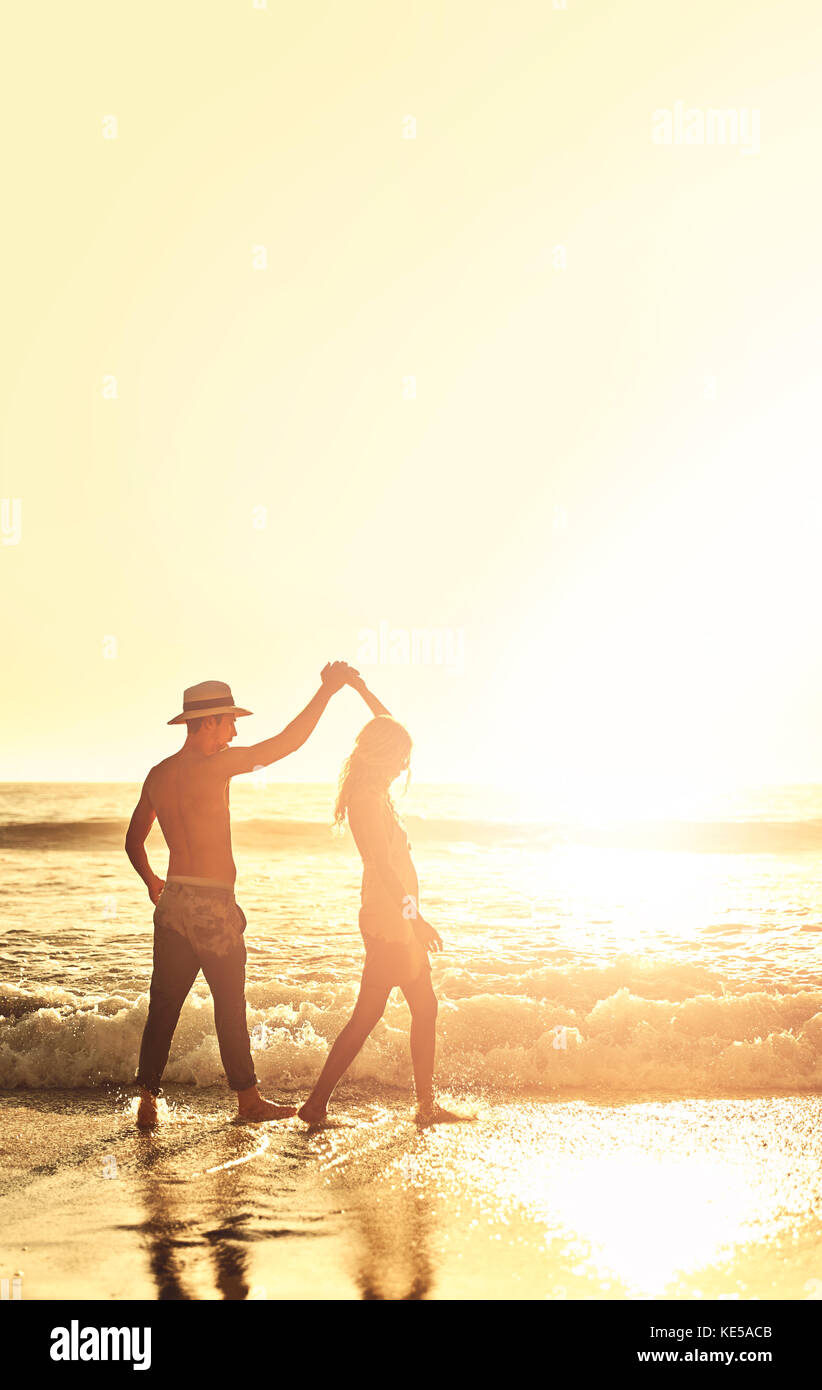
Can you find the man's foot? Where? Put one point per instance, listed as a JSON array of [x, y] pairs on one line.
[[260, 1109], [251, 1106], [312, 1113], [147, 1111], [432, 1114]]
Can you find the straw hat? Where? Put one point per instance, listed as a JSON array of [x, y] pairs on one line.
[[209, 697]]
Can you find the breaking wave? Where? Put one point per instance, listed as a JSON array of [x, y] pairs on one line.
[[558, 1031], [730, 837]]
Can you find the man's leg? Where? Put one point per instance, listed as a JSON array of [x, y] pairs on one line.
[[175, 970], [368, 1011], [226, 980]]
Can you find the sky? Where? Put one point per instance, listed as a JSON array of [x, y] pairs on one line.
[[403, 335]]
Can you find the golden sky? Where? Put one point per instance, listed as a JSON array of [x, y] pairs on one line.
[[604, 495]]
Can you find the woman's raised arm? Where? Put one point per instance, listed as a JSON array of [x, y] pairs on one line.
[[357, 683]]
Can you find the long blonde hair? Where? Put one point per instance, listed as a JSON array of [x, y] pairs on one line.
[[372, 763]]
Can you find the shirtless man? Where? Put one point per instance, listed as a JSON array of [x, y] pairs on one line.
[[197, 923]]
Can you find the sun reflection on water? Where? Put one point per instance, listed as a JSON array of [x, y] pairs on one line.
[[646, 1200]]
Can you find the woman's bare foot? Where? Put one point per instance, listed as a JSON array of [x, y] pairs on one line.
[[146, 1110], [251, 1106], [312, 1113], [432, 1114]]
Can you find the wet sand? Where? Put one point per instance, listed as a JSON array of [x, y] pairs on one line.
[[541, 1199]]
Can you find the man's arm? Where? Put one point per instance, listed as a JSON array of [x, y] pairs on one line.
[[357, 683], [141, 822], [238, 760]]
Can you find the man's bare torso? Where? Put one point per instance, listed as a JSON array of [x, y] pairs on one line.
[[189, 792]]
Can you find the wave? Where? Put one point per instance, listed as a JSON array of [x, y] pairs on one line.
[[567, 1031], [109, 834], [274, 833]]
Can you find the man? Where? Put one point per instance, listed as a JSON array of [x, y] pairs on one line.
[[197, 923]]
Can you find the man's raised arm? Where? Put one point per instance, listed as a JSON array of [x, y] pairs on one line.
[[237, 760]]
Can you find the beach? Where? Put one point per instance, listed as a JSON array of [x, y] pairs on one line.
[[630, 1020], [663, 1199]]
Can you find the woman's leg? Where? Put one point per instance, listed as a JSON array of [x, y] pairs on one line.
[[422, 1001], [368, 1011]]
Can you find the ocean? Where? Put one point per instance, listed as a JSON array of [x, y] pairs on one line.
[[630, 1016], [659, 956]]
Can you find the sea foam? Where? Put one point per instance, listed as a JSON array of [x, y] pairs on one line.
[[580, 1031]]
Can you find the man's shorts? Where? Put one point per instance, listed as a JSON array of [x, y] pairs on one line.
[[205, 913]]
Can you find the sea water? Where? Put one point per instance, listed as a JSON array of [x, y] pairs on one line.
[[679, 956]]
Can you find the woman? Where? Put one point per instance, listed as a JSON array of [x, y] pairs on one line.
[[396, 937]]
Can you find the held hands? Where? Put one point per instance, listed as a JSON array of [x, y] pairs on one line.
[[335, 674], [339, 673]]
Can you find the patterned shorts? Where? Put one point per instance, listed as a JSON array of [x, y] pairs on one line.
[[206, 914]]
